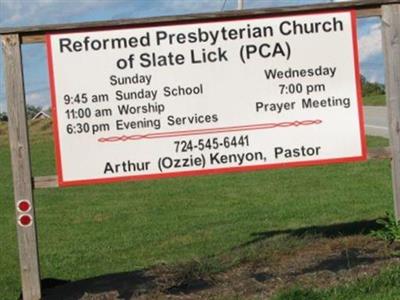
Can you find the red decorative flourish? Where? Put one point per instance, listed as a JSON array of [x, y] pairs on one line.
[[169, 134]]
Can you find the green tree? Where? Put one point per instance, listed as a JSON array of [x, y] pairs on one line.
[[371, 88], [32, 110], [3, 117]]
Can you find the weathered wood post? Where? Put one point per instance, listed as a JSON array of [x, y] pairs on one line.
[[391, 48], [21, 165]]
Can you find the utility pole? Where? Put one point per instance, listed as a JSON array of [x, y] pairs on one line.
[[240, 4]]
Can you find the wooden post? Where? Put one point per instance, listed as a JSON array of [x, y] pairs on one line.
[[21, 165], [391, 48]]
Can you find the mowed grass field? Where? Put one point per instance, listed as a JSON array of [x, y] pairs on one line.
[[375, 100], [95, 230]]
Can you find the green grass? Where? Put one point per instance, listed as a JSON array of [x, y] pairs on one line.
[[375, 100], [94, 230], [376, 142], [384, 286]]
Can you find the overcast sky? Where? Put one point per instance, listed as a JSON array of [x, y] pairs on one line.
[[15, 13]]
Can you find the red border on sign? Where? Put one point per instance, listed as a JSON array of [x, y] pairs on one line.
[[63, 183], [358, 83], [54, 111]]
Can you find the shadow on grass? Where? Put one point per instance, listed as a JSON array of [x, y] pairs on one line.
[[113, 286], [125, 285], [346, 260], [328, 231], [190, 278]]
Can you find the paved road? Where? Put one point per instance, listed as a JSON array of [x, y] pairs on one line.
[[376, 120]]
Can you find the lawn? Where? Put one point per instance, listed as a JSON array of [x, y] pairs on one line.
[[94, 230], [375, 100]]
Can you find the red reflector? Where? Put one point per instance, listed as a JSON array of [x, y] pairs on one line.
[[25, 220], [24, 206]]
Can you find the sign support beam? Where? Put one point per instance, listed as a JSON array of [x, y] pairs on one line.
[[391, 48], [21, 165]]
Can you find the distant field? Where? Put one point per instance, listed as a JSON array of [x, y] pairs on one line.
[[90, 231], [376, 100]]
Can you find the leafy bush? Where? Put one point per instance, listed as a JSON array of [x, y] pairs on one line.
[[391, 229]]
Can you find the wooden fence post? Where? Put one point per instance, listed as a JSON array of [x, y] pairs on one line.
[[21, 165], [391, 48]]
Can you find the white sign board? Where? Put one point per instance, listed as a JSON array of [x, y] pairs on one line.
[[206, 97]]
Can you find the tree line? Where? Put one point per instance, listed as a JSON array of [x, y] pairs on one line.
[[31, 111], [371, 88]]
